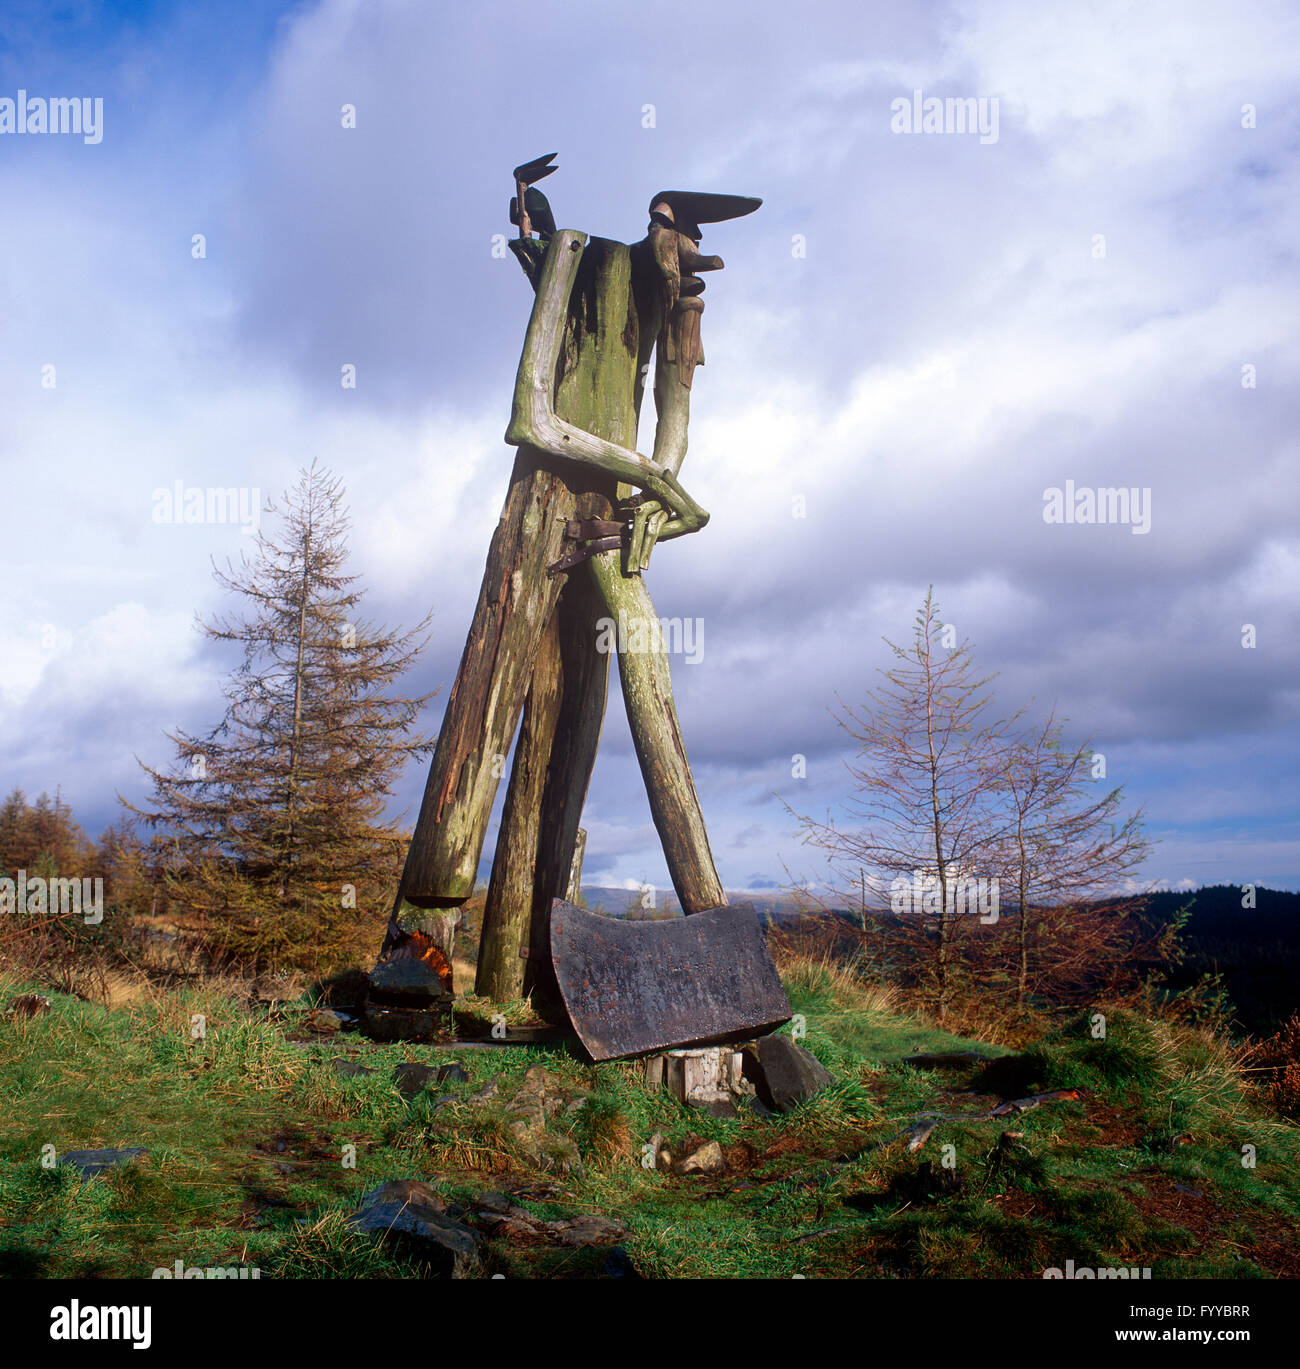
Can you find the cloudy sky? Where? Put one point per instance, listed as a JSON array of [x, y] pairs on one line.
[[915, 337]]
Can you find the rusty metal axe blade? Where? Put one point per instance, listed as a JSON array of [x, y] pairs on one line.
[[631, 987]]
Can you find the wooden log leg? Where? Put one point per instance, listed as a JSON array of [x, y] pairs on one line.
[[509, 906], [515, 603], [554, 758], [656, 735], [573, 757]]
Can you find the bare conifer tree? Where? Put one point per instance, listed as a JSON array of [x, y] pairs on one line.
[[929, 757], [1064, 844]]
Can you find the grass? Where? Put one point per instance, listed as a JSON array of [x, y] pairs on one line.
[[258, 1150]]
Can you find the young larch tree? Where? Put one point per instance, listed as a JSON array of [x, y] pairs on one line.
[[926, 779]]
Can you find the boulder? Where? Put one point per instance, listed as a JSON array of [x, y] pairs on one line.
[[425, 1025], [783, 1073], [406, 982], [586, 1230], [350, 1069], [704, 1158], [410, 1215], [411, 1077], [92, 1162], [324, 1021], [539, 1099]]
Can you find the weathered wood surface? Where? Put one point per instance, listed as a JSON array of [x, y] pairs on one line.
[[509, 903], [573, 890], [534, 636], [598, 390], [657, 739], [515, 604], [601, 390]]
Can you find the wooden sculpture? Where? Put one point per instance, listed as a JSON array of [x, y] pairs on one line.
[[582, 517]]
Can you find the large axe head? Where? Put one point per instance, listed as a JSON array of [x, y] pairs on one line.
[[631, 987], [690, 208]]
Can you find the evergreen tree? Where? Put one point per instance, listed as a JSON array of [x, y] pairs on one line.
[[276, 816]]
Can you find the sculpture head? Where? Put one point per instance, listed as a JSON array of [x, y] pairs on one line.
[[674, 237]]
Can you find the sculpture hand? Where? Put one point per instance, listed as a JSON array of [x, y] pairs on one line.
[[688, 516], [649, 519]]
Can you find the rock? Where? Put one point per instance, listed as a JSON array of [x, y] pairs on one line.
[[92, 1162], [410, 1214], [322, 1020], [700, 1076], [28, 1005], [382, 1023], [509, 1221], [406, 982], [705, 1158], [411, 1077], [559, 1154], [586, 1230], [783, 1073], [493, 1202], [539, 1097], [350, 1069]]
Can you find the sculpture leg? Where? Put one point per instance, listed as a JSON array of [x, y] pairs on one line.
[[509, 904], [552, 769], [516, 601], [656, 735]]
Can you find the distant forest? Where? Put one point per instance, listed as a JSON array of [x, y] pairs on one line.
[[1255, 951]]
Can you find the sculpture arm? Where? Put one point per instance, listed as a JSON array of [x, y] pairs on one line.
[[533, 420]]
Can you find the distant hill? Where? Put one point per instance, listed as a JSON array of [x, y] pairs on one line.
[[1254, 951], [611, 899]]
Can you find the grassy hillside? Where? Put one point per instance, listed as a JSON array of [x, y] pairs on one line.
[[246, 1129]]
